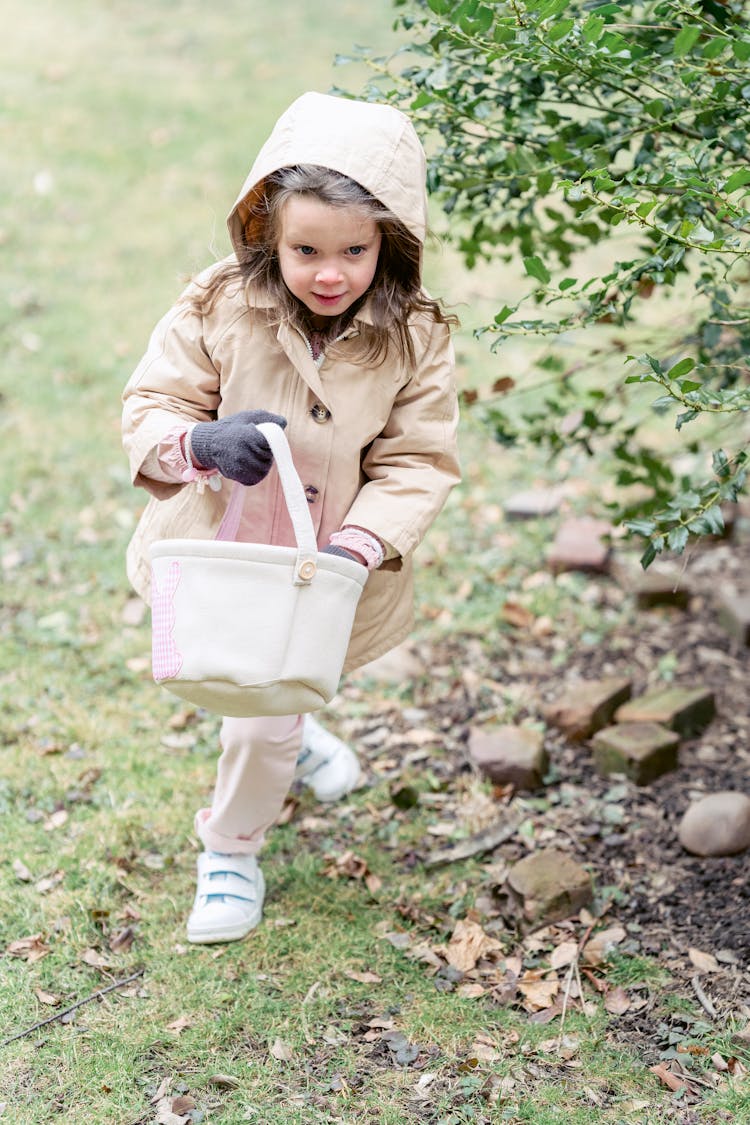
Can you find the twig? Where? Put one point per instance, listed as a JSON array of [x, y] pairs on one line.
[[73, 1007], [569, 981], [706, 1004], [483, 842], [305, 1026]]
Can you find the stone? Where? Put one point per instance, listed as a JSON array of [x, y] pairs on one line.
[[641, 751], [509, 755], [546, 887], [718, 824], [579, 545], [662, 588], [734, 615], [536, 503], [685, 710], [587, 706]]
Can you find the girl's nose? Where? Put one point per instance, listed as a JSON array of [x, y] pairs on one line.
[[328, 274]]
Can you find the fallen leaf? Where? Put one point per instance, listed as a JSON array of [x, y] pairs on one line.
[[564, 954], [669, 1079], [179, 1024], [183, 1103], [617, 1001], [538, 994], [29, 949], [469, 991], [96, 959], [281, 1051], [50, 998], [704, 962], [44, 886], [57, 820], [600, 946], [468, 944], [224, 1081], [21, 871], [364, 978], [122, 940], [517, 615]]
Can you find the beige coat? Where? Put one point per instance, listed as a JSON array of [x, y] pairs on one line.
[[375, 446]]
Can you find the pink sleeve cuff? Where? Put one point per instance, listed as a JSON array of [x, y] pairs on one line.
[[173, 453], [363, 542]]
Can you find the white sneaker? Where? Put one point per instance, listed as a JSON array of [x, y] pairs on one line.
[[229, 899], [326, 763]]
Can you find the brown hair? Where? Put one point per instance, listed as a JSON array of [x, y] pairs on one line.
[[395, 292]]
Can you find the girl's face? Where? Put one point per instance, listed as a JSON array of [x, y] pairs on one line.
[[327, 255]]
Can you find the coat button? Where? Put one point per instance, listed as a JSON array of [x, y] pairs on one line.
[[320, 413], [311, 493], [307, 570]]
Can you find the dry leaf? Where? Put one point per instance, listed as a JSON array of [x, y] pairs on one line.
[[704, 962], [96, 959], [122, 940], [281, 1051], [538, 994], [469, 991], [29, 948], [21, 871], [44, 886], [347, 864], [183, 1103], [601, 945], [517, 615], [669, 1079], [365, 978], [179, 1024], [48, 997], [57, 820], [564, 955], [468, 944], [617, 1002]]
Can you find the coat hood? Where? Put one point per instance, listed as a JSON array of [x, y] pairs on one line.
[[376, 145]]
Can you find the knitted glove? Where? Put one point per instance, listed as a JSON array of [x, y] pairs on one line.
[[341, 552], [235, 446]]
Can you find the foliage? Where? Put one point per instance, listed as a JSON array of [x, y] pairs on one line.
[[558, 128]]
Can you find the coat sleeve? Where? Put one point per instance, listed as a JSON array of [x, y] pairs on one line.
[[174, 382], [413, 463]]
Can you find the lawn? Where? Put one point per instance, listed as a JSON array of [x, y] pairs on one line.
[[127, 130]]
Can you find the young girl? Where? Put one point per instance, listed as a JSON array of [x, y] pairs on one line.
[[317, 321]]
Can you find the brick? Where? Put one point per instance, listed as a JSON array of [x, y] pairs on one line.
[[548, 886], [685, 710], [587, 706], [661, 588], [533, 504], [579, 545], [734, 615], [641, 751], [509, 755]]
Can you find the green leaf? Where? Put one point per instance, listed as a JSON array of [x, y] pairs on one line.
[[741, 49], [656, 107], [648, 556], [560, 30], [677, 539], [681, 367], [686, 40], [535, 267], [503, 315], [640, 527], [736, 180], [592, 29]]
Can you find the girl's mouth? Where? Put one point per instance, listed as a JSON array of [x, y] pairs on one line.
[[328, 300]]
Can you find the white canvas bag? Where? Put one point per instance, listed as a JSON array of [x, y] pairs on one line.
[[248, 628]]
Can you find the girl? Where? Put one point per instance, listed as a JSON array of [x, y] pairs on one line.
[[317, 321]]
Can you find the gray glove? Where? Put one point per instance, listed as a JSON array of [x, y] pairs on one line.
[[235, 446], [341, 552]]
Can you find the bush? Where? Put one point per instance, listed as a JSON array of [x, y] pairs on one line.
[[551, 125]]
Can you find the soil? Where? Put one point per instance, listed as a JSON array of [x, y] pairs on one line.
[[669, 901]]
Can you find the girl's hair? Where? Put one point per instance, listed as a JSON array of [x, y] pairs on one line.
[[395, 292]]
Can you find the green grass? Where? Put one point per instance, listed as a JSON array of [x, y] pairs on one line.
[[127, 130]]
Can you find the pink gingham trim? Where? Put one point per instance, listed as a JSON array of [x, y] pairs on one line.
[[166, 661]]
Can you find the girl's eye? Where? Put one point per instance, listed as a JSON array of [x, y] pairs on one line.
[[306, 250], [355, 251]]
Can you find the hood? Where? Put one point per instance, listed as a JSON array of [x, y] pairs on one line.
[[376, 145]]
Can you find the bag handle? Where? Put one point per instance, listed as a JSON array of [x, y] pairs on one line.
[[294, 495]]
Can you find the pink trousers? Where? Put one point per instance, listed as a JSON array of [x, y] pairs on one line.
[[254, 775]]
